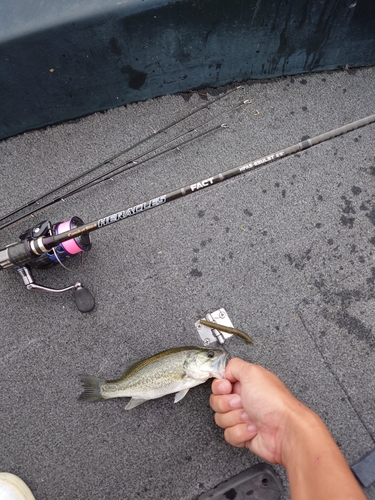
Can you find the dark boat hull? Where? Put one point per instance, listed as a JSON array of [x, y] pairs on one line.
[[69, 59]]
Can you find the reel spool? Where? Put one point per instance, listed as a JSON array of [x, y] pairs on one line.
[[64, 250]]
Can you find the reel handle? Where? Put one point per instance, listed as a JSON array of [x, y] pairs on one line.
[[84, 299]]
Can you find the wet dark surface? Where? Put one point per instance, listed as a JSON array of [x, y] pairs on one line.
[[288, 250], [65, 59]]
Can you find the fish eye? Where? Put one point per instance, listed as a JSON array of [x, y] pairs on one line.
[[210, 354]]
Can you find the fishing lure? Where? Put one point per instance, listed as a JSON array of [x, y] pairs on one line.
[[227, 329]]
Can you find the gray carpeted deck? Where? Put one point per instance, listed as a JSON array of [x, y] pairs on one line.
[[288, 250]]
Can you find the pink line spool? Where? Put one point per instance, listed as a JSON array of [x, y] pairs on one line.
[[70, 246]]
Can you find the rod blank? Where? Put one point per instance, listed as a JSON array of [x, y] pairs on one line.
[[205, 183], [19, 253]]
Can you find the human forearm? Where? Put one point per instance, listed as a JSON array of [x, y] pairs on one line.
[[316, 467]]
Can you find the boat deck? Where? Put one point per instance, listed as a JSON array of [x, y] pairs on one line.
[[287, 249]]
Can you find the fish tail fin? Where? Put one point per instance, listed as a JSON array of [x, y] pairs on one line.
[[91, 388]]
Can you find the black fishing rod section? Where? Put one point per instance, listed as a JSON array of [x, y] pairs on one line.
[[73, 236], [111, 174], [124, 166]]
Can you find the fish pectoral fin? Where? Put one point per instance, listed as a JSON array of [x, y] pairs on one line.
[[180, 395], [134, 402]]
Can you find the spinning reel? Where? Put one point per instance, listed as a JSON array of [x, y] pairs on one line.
[[57, 255]]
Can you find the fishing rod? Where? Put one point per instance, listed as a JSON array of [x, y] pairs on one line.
[[135, 163], [115, 171], [124, 166], [47, 244]]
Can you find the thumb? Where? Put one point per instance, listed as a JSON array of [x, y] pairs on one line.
[[237, 369]]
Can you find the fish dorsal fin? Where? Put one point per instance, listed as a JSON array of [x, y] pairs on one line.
[[134, 402], [130, 366], [180, 395]]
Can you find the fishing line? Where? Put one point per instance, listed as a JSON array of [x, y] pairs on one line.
[[115, 156], [35, 243]]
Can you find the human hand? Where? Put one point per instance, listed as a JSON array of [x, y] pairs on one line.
[[255, 409], [258, 412]]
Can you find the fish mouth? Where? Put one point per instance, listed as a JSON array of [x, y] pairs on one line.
[[218, 366]]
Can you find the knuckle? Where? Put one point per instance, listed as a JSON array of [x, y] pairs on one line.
[[234, 436], [219, 420], [218, 403], [215, 402], [231, 438]]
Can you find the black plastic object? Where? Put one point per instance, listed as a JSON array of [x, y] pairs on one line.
[[364, 469], [260, 482], [62, 59], [84, 299]]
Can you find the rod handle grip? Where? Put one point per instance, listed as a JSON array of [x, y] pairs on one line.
[[16, 254]]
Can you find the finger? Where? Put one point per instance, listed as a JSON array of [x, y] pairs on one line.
[[231, 418], [225, 402], [236, 369], [221, 386], [236, 388], [239, 435]]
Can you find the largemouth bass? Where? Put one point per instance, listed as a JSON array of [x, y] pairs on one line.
[[172, 371]]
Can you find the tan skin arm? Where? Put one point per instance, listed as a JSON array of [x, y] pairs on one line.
[[257, 411]]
